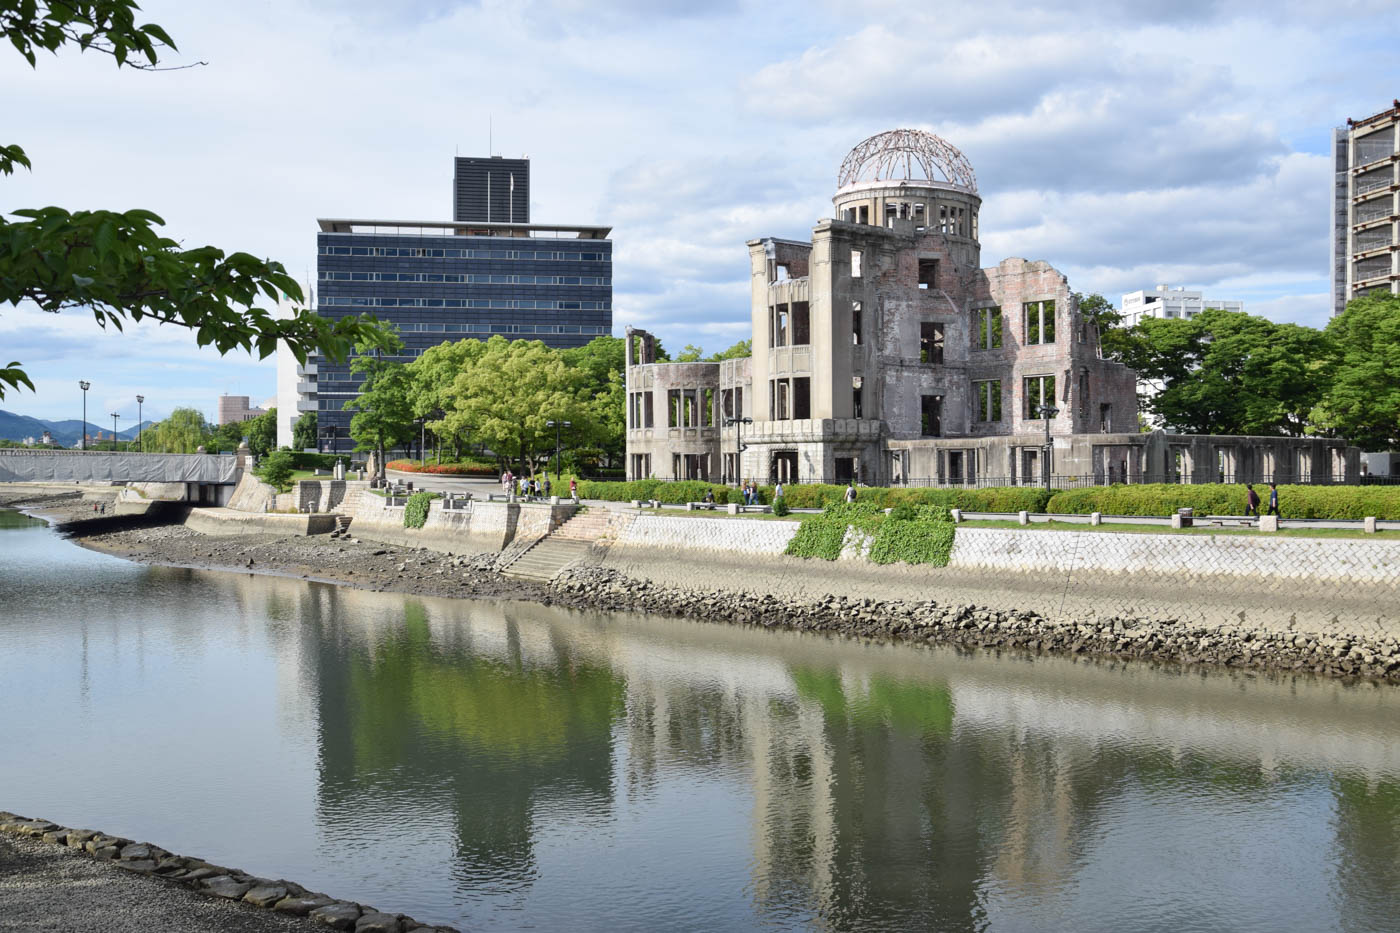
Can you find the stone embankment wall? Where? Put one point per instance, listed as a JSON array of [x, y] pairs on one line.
[[480, 527], [286, 897], [1277, 584], [948, 621]]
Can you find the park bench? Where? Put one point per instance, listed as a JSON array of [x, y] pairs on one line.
[[1240, 521]]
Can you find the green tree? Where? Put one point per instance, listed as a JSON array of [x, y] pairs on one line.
[[304, 432], [740, 350], [1227, 372], [261, 432], [383, 416], [182, 433], [510, 393], [1362, 403], [276, 469], [432, 375], [116, 264], [691, 354], [1098, 310], [601, 362], [227, 436]]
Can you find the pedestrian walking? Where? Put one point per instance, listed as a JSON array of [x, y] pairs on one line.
[[546, 486], [1273, 498], [1252, 508], [573, 489], [778, 490], [850, 492]]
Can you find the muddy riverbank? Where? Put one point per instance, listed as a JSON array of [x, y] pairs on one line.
[[419, 571]]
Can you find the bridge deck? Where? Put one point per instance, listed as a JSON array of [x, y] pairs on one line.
[[23, 465]]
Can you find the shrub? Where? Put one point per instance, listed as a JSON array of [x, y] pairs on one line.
[[780, 506], [913, 541], [302, 460], [276, 469], [415, 510], [912, 534]]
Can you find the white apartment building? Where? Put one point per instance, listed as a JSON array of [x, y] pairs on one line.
[[1365, 247], [296, 384], [1166, 302]]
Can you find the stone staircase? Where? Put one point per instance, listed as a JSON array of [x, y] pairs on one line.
[[345, 511], [568, 543]]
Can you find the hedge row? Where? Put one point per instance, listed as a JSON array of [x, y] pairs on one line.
[[1336, 502], [302, 460], [672, 493], [818, 496]]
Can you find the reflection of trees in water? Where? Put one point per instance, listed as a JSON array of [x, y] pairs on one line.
[[872, 807], [409, 719]]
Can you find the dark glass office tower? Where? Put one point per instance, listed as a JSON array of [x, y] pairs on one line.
[[493, 189], [439, 281]]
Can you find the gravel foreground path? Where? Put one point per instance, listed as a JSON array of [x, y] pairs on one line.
[[46, 888]]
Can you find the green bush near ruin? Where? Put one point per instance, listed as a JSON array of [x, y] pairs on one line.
[[415, 510], [909, 534], [1334, 502]]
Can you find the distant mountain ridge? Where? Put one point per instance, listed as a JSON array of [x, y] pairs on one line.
[[18, 427]]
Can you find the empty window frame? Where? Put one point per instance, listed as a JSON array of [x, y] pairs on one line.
[[955, 466], [1040, 322], [778, 391], [987, 400], [856, 262], [801, 323], [780, 325], [857, 406], [1039, 392], [801, 397], [1084, 395], [863, 215], [726, 397], [930, 342], [987, 322], [673, 408], [739, 402], [1105, 418], [928, 273], [855, 323], [931, 415]]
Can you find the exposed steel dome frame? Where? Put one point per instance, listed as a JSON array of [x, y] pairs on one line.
[[892, 155]]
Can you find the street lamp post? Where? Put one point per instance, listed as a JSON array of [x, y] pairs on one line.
[[1047, 412], [738, 425], [558, 426], [115, 416], [83, 384], [140, 440]]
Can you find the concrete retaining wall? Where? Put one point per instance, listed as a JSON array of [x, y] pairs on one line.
[[233, 522], [1278, 584], [483, 527]]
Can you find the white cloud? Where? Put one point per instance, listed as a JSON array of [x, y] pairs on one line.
[[1129, 144]]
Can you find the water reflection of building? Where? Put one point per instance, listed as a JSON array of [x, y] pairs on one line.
[[878, 793]]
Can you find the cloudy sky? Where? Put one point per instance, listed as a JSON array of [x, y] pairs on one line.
[[1179, 141]]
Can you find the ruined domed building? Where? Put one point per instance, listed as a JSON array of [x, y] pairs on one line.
[[884, 352]]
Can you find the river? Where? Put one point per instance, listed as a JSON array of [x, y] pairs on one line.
[[515, 766]]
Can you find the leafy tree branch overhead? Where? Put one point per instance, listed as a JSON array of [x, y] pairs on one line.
[[116, 264]]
